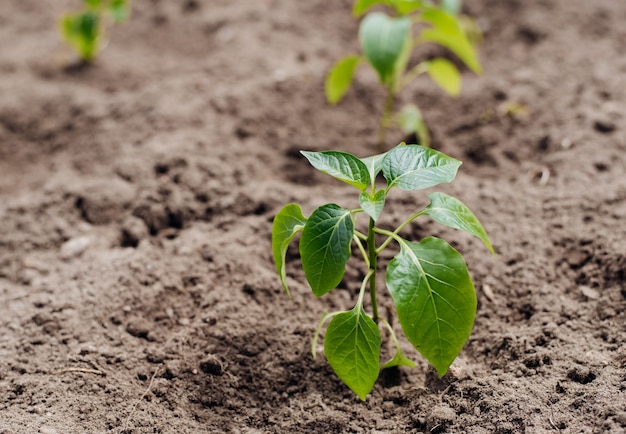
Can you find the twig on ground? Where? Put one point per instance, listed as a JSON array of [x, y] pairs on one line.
[[83, 370], [134, 407]]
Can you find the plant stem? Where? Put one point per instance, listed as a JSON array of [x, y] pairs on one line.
[[391, 235], [373, 255], [413, 73], [384, 120], [362, 250]]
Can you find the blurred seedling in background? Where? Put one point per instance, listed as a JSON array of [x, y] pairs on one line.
[[85, 30], [428, 281], [387, 44]]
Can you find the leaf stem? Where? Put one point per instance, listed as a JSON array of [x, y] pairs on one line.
[[384, 120], [391, 332], [325, 317], [391, 236], [367, 278], [373, 256], [361, 235], [413, 73], [362, 249], [394, 235]]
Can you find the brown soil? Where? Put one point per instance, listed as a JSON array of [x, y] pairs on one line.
[[138, 293]]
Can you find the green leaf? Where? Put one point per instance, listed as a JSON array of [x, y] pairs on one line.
[[445, 74], [287, 223], [414, 167], [452, 7], [340, 77], [374, 165], [372, 204], [405, 7], [93, 4], [383, 40], [411, 121], [341, 165], [325, 247], [403, 59], [352, 348], [399, 359], [361, 6], [453, 213], [119, 10], [434, 297], [448, 32], [82, 32]]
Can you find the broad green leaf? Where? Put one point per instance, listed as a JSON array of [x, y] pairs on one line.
[[399, 359], [405, 7], [82, 32], [402, 61], [414, 167], [325, 247], [445, 74], [119, 10], [352, 348], [361, 6], [341, 165], [382, 41], [372, 204], [434, 297], [374, 165], [453, 213], [448, 32], [93, 4], [452, 7], [411, 121], [340, 77], [287, 223]]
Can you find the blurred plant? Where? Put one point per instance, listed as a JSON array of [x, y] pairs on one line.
[[428, 281], [387, 44], [85, 31]]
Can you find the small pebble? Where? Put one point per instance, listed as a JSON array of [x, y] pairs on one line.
[[590, 293], [566, 143], [74, 247]]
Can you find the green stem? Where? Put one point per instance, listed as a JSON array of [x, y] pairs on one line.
[[393, 235], [362, 250], [413, 73], [392, 333], [368, 276], [360, 235], [316, 336], [373, 256], [384, 120]]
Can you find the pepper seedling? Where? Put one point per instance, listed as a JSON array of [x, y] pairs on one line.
[[387, 44], [85, 31], [429, 283]]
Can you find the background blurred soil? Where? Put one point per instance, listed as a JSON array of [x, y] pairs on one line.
[[137, 290]]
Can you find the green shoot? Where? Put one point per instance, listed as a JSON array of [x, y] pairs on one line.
[[387, 43], [85, 31], [428, 281]]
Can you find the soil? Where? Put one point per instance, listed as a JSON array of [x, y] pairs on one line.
[[137, 288]]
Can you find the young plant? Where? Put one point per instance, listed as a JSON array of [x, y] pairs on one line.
[[387, 44], [428, 281], [85, 31]]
